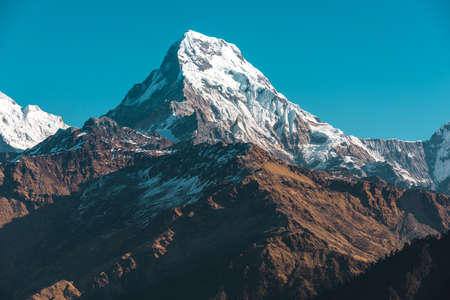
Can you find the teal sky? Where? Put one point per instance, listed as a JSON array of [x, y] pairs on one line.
[[373, 70]]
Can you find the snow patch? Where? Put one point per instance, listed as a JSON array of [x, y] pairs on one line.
[[160, 194]]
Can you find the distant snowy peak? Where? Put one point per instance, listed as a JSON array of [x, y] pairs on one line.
[[439, 145], [24, 127]]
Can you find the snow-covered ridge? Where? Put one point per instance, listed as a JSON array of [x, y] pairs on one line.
[[442, 162], [24, 127]]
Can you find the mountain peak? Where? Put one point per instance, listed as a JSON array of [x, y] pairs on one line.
[[209, 74], [206, 91], [208, 60], [24, 127], [201, 43]]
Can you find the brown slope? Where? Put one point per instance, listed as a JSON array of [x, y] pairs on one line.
[[248, 226]]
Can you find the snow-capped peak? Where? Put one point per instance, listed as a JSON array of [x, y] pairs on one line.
[[206, 91], [24, 127], [239, 93], [209, 61], [230, 100], [201, 56]]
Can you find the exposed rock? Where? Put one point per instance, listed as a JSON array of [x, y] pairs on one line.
[[61, 290]]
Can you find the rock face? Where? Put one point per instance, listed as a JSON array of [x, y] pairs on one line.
[[404, 163], [438, 157], [61, 290], [24, 127], [206, 91], [213, 221], [427, 162]]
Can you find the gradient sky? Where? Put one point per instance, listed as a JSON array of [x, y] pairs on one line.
[[373, 70]]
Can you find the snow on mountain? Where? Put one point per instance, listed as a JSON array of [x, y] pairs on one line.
[[438, 152], [404, 158], [206, 91], [442, 163], [222, 97], [24, 127]]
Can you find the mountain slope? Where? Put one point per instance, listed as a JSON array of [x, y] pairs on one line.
[[57, 167], [24, 127], [205, 91], [199, 221]]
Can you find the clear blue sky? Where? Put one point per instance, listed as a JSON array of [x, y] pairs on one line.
[[373, 70]]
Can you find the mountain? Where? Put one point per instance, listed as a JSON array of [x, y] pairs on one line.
[[419, 271], [111, 213], [195, 187], [205, 91], [24, 127], [57, 166]]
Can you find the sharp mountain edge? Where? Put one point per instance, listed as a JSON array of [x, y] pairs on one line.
[[206, 91]]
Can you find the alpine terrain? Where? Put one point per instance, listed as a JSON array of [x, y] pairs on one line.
[[24, 127], [207, 183]]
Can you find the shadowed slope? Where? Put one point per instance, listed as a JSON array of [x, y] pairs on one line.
[[419, 271]]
